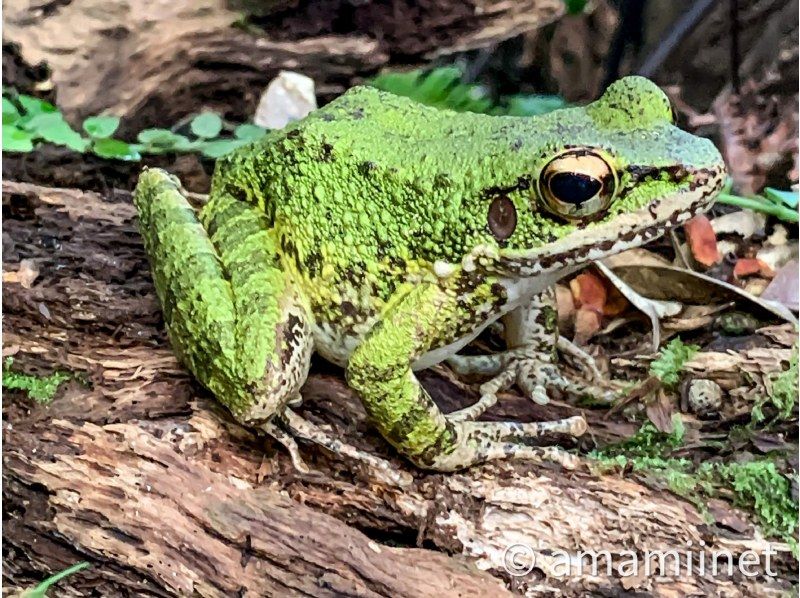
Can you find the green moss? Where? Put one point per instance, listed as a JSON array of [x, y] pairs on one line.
[[756, 486], [784, 393], [647, 443], [759, 486], [669, 363], [41, 389]]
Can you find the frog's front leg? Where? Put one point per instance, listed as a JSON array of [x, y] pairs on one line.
[[421, 319], [533, 342]]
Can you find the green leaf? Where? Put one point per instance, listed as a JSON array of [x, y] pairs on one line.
[[16, 140], [40, 591], [163, 137], [101, 127], [53, 128], [249, 132], [33, 106], [442, 88], [216, 149], [114, 148], [575, 7], [10, 112], [206, 125], [534, 105], [163, 140], [788, 198]]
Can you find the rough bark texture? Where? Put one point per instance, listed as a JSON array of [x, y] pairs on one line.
[[137, 470], [154, 62]]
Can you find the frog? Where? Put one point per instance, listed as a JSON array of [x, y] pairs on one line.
[[385, 235]]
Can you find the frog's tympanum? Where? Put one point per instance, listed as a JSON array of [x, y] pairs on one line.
[[385, 235]]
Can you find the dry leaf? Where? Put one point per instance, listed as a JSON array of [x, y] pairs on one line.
[[659, 411], [747, 266], [635, 257], [777, 256], [685, 286], [727, 516], [744, 223], [565, 305], [588, 291], [702, 240], [784, 287], [587, 322]]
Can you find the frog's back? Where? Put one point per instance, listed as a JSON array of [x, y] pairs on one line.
[[365, 136]]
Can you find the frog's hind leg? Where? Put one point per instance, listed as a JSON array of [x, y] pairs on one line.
[[231, 316], [302, 428]]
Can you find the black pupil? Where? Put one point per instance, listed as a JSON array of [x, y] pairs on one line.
[[573, 187]]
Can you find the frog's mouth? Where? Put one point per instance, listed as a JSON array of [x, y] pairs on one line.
[[625, 231]]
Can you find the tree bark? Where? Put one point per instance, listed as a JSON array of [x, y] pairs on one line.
[[137, 470]]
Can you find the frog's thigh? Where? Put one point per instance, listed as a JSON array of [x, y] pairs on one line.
[[380, 371], [231, 316]]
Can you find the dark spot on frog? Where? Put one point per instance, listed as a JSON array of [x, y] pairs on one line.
[[465, 284], [293, 330], [517, 145], [327, 117], [348, 309], [441, 180], [608, 184], [287, 247], [366, 168], [357, 114], [312, 263], [293, 134], [326, 152], [502, 217], [523, 183]]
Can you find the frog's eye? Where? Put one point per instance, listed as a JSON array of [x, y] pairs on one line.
[[577, 184]]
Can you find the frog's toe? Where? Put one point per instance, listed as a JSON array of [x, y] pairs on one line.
[[580, 358], [534, 377], [477, 442], [289, 443], [537, 380], [379, 468]]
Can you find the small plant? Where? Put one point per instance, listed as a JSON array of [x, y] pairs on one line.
[[40, 389], [575, 7], [670, 362], [29, 121], [774, 202], [648, 442], [40, 591], [443, 88], [783, 396], [755, 485]]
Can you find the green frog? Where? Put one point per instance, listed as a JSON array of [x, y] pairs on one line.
[[385, 235]]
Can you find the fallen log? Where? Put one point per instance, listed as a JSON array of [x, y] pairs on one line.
[[155, 62], [137, 470]]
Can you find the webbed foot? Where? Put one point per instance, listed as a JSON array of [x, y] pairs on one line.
[[532, 371]]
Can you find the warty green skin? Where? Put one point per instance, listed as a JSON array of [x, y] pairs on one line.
[[362, 232]]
